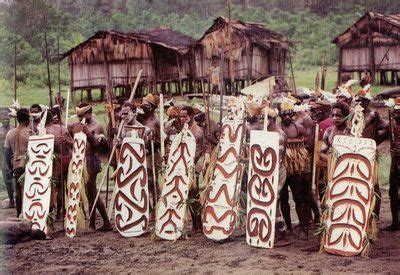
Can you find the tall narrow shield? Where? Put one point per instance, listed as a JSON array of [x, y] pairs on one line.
[[219, 213], [75, 174], [132, 198], [262, 188], [349, 195], [172, 206], [37, 183]]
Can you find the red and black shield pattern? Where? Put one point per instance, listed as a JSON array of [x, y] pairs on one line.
[[262, 188], [73, 183], [37, 184], [350, 195], [219, 213], [132, 195], [172, 206]]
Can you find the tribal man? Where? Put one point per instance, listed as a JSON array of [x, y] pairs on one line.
[[340, 113], [186, 116], [96, 144], [63, 148], [394, 167], [375, 128], [15, 147], [6, 170], [298, 167], [35, 113], [149, 119]]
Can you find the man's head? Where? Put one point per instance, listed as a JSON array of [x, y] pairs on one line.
[[396, 110], [320, 110], [23, 116], [84, 111], [340, 112], [6, 122], [128, 112], [286, 112], [35, 112], [149, 104], [186, 115], [200, 119]]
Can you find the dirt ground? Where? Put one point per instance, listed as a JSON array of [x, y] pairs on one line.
[[109, 252]]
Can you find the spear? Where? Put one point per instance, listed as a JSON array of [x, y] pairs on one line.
[[121, 125]]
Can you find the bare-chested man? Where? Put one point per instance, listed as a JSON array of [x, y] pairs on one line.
[[375, 128], [63, 148], [394, 167], [214, 129], [6, 170], [95, 145], [186, 116], [16, 146], [297, 163], [35, 113], [340, 113], [305, 119]]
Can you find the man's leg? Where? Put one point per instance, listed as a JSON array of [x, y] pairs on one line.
[[18, 190], [295, 184], [285, 207], [92, 192], [9, 187], [394, 198]]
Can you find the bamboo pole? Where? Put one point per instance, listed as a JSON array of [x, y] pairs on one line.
[[323, 75]]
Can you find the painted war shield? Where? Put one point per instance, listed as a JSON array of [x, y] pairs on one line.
[[37, 184], [74, 181], [219, 212], [172, 207], [132, 198], [349, 195], [262, 188]]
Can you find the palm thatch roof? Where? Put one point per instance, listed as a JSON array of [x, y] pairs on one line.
[[385, 30], [130, 44]]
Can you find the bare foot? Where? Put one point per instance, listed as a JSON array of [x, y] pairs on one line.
[[392, 227], [105, 227]]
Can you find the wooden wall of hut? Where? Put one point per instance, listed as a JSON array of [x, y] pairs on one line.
[[386, 58], [254, 62]]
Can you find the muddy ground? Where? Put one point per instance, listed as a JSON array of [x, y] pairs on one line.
[[109, 252]]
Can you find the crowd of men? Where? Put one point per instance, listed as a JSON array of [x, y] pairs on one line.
[[294, 117]]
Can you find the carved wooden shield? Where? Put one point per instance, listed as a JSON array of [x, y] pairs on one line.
[[73, 184], [262, 188], [350, 194], [171, 209], [132, 197], [37, 184], [219, 214]]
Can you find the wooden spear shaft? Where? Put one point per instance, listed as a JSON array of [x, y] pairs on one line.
[[15, 71], [121, 125], [48, 71]]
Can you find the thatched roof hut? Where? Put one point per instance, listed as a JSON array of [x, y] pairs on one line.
[[257, 51], [371, 44], [162, 54]]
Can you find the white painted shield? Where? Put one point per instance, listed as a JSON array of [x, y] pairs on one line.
[[73, 184], [219, 213], [132, 198], [262, 188], [350, 195], [171, 209], [37, 184]]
